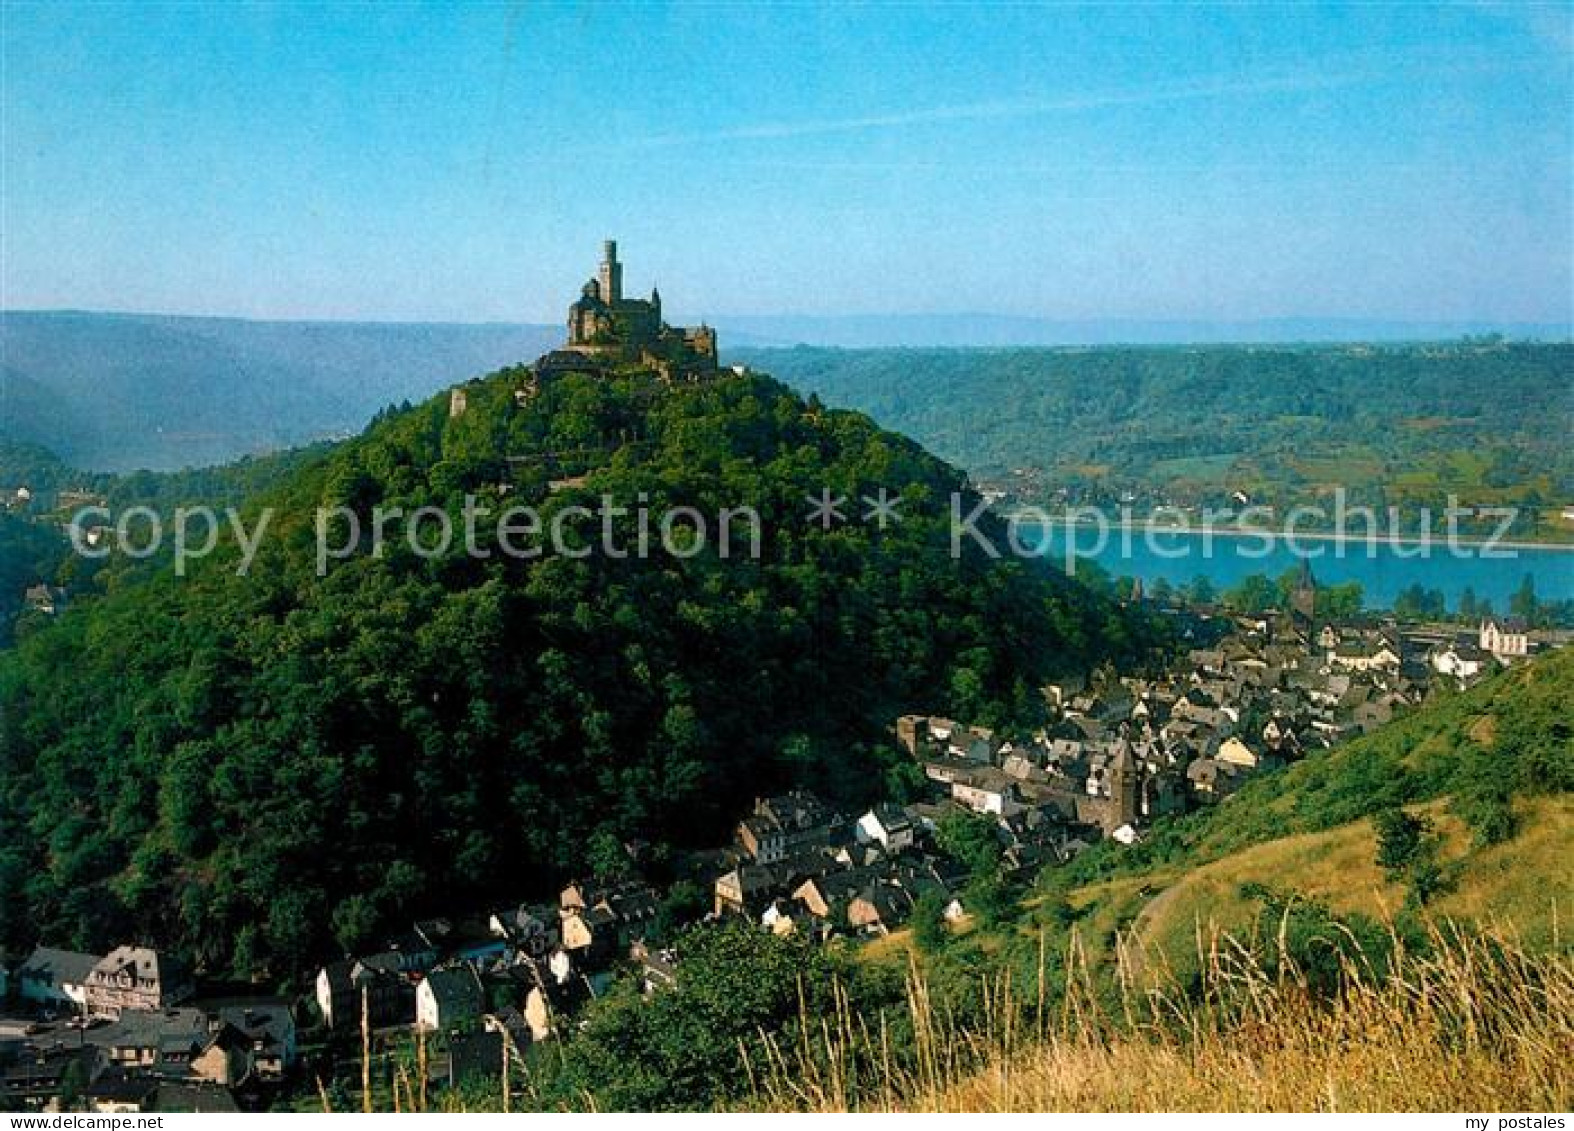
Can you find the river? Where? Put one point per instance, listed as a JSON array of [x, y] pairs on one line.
[[1383, 568]]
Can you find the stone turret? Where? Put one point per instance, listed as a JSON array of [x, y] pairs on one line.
[[610, 275]]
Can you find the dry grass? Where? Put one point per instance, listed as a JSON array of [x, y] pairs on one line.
[[1477, 1024], [1512, 886]]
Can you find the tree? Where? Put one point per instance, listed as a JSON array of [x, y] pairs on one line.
[[685, 903], [1254, 594], [929, 921], [971, 840], [1409, 850], [354, 921], [1200, 591], [608, 860], [1400, 836], [1342, 601], [989, 900], [1523, 603]]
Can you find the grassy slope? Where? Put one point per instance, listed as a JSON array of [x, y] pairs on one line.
[[1383, 1045], [1511, 885], [1307, 828]]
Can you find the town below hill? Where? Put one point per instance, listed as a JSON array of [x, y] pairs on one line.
[[988, 816]]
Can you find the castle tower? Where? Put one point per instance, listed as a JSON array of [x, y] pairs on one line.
[[611, 274]]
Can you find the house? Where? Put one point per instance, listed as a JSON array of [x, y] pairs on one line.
[[448, 998], [658, 969], [590, 934], [267, 1028], [779, 918], [194, 1097], [634, 907], [822, 895], [55, 978], [511, 1024], [225, 1059], [1237, 753], [166, 1041], [549, 1000], [412, 953], [45, 599], [1214, 780], [117, 1092], [746, 889], [1462, 661], [344, 989], [912, 734], [1507, 639], [885, 825], [135, 977], [532, 930], [33, 1081], [476, 1055], [791, 823], [987, 791], [879, 907], [1365, 656]]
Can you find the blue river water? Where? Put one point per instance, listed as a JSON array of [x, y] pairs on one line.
[[1382, 568]]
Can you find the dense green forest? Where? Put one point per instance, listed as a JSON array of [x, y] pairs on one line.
[[257, 770], [219, 485], [1401, 425], [29, 555]]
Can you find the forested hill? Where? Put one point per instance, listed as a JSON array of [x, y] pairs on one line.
[[1398, 424], [256, 771], [109, 392]]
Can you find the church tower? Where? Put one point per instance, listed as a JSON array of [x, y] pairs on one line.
[[611, 274], [1303, 598], [1123, 783]]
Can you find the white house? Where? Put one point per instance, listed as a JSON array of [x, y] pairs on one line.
[[449, 997], [1461, 661], [887, 826], [1506, 639], [985, 797]]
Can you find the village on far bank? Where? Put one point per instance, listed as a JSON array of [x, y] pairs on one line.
[[133, 1030]]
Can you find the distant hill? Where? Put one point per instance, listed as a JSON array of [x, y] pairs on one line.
[[118, 392], [1484, 420], [112, 392], [916, 331]]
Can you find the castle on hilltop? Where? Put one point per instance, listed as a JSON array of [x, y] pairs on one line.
[[607, 330]]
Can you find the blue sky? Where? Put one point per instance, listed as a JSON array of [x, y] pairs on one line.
[[463, 163]]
